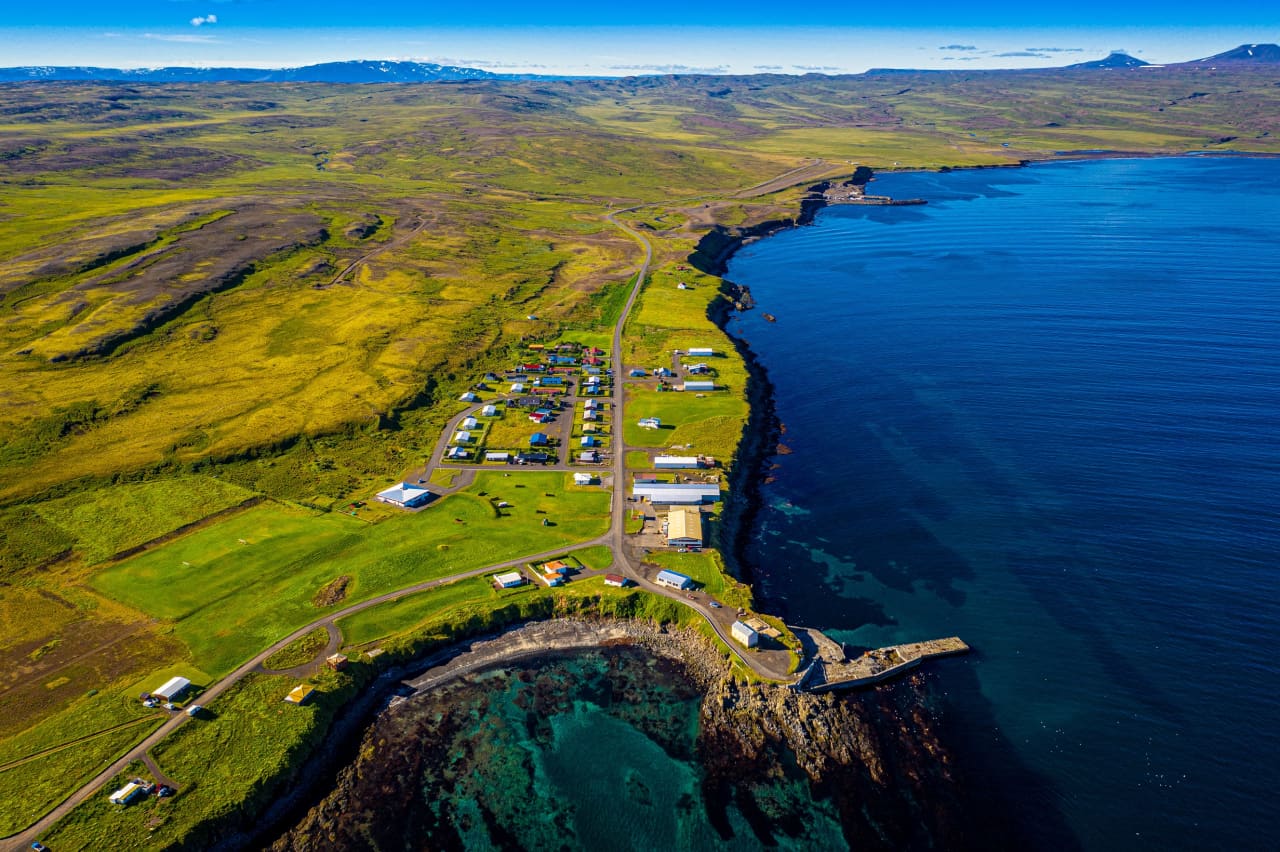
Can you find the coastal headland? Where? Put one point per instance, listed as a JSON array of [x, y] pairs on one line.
[[192, 473]]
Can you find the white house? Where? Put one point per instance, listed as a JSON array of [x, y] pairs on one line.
[[469, 423], [676, 462], [462, 437], [469, 397], [701, 352], [497, 456], [673, 579], [509, 580], [489, 411], [744, 634], [676, 493], [518, 387], [457, 454], [172, 688], [404, 495], [584, 478], [128, 793]]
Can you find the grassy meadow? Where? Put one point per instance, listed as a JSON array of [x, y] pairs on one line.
[[231, 312]]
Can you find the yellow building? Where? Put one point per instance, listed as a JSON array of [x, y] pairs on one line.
[[684, 527]]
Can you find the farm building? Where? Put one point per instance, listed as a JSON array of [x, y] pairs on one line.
[[684, 527], [539, 439], [584, 478], [457, 454], [676, 493], [615, 580], [673, 579], [497, 456], [700, 385], [462, 437], [404, 495], [469, 397], [299, 694], [172, 688], [650, 423], [701, 351], [127, 793], [744, 634], [509, 580], [489, 411], [676, 462], [469, 423]]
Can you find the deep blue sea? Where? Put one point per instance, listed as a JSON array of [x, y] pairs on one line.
[[1043, 413]]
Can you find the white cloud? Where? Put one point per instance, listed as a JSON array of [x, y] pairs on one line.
[[204, 19]]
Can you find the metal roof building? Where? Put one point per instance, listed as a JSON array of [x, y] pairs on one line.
[[172, 687], [673, 462], [404, 495], [744, 634], [673, 579], [684, 527], [677, 493]]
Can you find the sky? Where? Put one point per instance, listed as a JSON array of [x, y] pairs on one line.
[[591, 37]]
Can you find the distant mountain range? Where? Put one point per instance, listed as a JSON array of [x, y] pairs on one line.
[[369, 71], [358, 71]]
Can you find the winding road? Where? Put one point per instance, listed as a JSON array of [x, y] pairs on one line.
[[771, 665]]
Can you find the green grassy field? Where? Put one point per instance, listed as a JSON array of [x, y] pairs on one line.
[[232, 589]]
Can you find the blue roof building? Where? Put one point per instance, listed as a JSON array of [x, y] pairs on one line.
[[538, 439]]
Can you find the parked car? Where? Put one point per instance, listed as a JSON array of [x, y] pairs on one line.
[[38, 846], [715, 604], [165, 791], [194, 710]]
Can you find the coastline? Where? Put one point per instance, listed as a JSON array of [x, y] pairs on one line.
[[762, 431]]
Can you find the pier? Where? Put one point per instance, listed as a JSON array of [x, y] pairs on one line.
[[832, 668]]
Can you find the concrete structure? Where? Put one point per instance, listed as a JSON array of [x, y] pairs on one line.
[[299, 694], [509, 580], [489, 411], [744, 634], [684, 527], [172, 688], [497, 457], [127, 793], [673, 579], [700, 385], [584, 478], [701, 352], [616, 580], [676, 493], [676, 462], [404, 495]]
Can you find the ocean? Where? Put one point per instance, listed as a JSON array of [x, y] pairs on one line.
[[1042, 413]]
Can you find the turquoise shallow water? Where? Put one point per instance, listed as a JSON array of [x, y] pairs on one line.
[[1042, 413]]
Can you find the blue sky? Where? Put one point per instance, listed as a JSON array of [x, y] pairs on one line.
[[574, 36]]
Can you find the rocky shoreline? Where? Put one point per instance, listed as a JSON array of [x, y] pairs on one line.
[[875, 758]]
